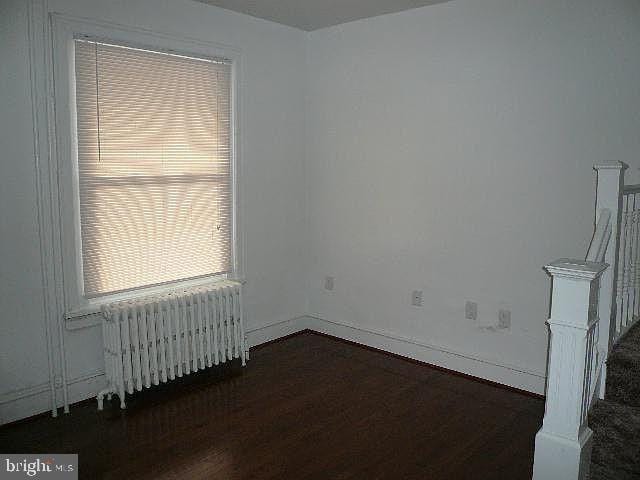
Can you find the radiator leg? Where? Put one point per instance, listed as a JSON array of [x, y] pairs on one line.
[[100, 397], [109, 396], [122, 404]]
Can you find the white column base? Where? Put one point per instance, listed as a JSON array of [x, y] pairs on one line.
[[560, 458]]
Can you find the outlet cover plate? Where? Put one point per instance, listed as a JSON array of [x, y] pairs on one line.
[[416, 298], [328, 283], [504, 319], [471, 310]]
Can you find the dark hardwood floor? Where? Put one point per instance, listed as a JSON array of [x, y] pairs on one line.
[[307, 407]]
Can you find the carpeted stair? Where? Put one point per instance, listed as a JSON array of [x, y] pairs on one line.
[[615, 421]]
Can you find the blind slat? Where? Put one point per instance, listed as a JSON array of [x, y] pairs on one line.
[[154, 163]]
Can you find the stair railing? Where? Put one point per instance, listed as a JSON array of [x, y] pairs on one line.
[[628, 285], [583, 328]]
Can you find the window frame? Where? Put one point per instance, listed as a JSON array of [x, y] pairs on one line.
[[64, 31]]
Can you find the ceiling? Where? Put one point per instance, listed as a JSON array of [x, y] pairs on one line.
[[314, 14]]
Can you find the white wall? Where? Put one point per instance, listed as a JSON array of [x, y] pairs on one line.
[[450, 150], [272, 182]]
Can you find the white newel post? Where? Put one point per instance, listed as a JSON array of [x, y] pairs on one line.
[[609, 195], [563, 444]]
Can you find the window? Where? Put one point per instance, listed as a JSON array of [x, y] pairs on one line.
[[154, 166]]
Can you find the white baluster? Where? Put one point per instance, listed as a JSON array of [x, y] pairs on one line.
[[627, 266], [636, 261], [633, 253], [621, 298]]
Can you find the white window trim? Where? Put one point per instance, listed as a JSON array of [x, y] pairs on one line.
[[64, 30]]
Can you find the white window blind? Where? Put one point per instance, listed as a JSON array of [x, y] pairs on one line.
[[154, 166]]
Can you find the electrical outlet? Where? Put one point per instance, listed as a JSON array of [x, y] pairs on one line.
[[504, 319], [328, 283], [416, 298], [471, 310]]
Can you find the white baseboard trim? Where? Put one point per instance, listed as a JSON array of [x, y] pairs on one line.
[[510, 375], [34, 400], [267, 333]]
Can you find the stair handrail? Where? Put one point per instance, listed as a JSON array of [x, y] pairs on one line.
[[601, 237]]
